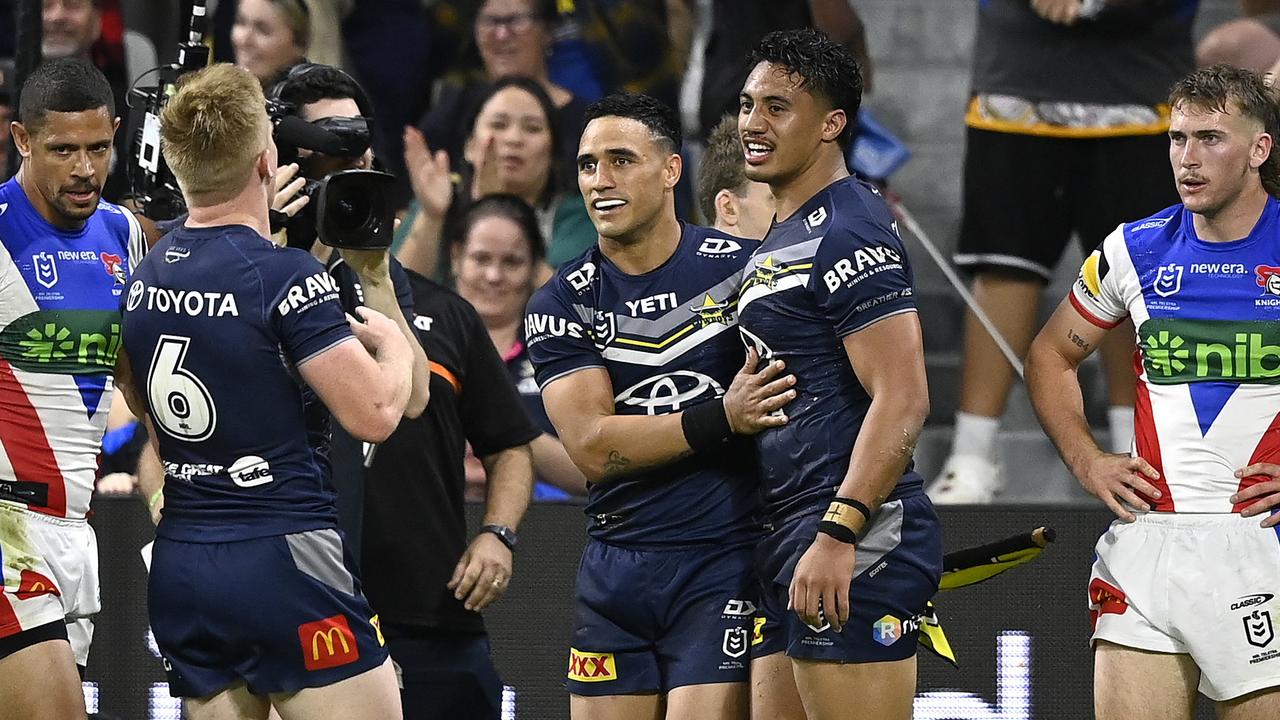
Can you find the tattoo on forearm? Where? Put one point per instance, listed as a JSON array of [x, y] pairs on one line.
[[1078, 341], [616, 463]]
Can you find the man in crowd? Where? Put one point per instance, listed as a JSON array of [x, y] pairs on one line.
[[65, 259]]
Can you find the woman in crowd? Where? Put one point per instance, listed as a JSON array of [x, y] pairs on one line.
[[269, 36], [510, 145], [494, 257], [513, 38]]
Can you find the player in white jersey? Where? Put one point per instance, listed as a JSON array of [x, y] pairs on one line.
[[1185, 583], [64, 259]]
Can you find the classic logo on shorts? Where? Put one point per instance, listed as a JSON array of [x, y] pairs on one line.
[[735, 642], [591, 667], [1105, 598], [1258, 629], [1185, 351], [328, 643], [32, 584]]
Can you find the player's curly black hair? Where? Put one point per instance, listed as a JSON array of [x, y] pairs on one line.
[[825, 68], [656, 115]]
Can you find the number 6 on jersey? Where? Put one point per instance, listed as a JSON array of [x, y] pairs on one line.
[[180, 404]]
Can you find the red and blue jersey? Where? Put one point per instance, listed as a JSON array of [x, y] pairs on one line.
[[59, 334]]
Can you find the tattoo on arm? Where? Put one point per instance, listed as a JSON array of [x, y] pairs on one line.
[[616, 463], [1078, 341]]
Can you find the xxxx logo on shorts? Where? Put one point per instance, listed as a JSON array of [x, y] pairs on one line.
[[592, 667], [328, 643]]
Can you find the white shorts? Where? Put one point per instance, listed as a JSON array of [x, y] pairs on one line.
[[50, 571], [1205, 585]]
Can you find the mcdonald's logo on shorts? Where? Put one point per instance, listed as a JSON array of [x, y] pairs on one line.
[[32, 584], [591, 667], [328, 643]]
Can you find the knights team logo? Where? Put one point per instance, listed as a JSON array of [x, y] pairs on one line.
[[1268, 279], [1258, 629], [114, 266], [1168, 280], [710, 312], [735, 642], [604, 328], [46, 269]]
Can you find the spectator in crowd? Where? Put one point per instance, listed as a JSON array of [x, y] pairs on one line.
[[74, 28], [495, 257], [513, 38], [427, 583], [510, 148], [1051, 153], [728, 199], [269, 36], [1251, 42], [736, 27]]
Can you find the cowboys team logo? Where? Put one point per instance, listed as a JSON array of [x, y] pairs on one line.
[[735, 642], [1268, 279], [1258, 629], [710, 312], [604, 328], [46, 269], [767, 271], [1168, 280]]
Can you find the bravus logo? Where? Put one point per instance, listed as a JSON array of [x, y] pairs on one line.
[[1185, 351]]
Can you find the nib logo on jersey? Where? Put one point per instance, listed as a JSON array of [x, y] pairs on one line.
[[1184, 351], [65, 342]]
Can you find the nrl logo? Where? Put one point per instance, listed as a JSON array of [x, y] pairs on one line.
[[710, 312], [767, 272], [604, 328]]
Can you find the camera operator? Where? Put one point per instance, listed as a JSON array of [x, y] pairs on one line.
[[330, 100], [428, 583]]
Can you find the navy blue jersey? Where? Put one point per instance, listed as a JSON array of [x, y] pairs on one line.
[[666, 339], [216, 321], [831, 269]]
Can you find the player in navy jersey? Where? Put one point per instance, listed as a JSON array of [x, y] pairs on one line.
[[634, 348], [253, 598], [855, 550], [64, 260]]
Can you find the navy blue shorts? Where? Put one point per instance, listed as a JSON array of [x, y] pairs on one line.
[[281, 613], [896, 572], [652, 620]]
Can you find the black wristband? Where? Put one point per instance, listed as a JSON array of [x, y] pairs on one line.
[[856, 505], [706, 425], [838, 531]]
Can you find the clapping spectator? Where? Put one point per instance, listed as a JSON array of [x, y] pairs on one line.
[[510, 145]]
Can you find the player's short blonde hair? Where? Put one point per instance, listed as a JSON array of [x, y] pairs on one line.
[[212, 131]]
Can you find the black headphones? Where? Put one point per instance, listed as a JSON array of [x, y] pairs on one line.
[[276, 103]]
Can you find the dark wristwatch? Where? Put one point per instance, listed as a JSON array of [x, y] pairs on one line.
[[504, 533]]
